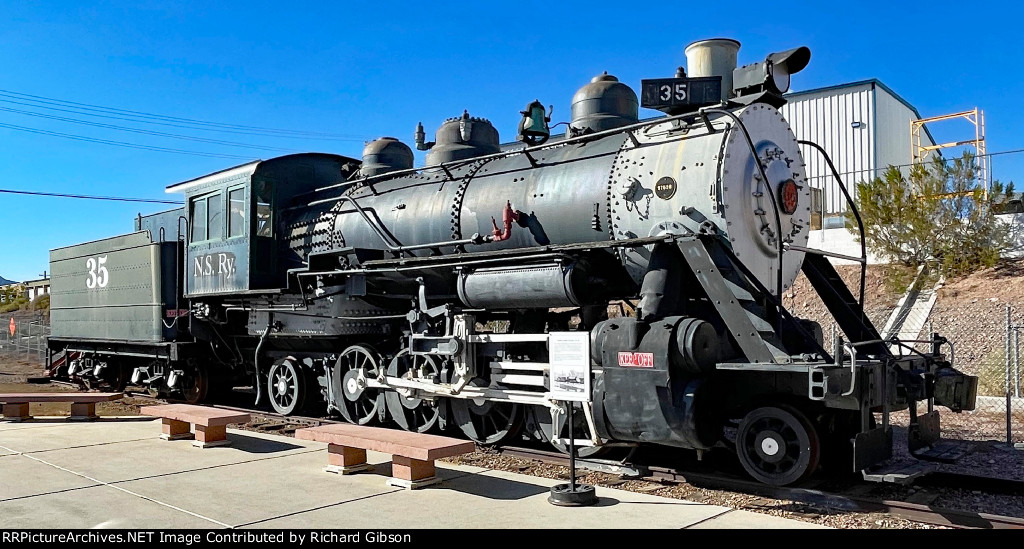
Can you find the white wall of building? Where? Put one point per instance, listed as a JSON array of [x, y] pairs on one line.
[[893, 131], [840, 241], [843, 241], [827, 117], [864, 126]]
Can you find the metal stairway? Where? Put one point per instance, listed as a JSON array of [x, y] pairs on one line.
[[912, 311]]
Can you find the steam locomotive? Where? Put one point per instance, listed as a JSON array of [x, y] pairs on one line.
[[643, 261]]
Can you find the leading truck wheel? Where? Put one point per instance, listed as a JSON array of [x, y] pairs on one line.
[[556, 431], [777, 445], [286, 386]]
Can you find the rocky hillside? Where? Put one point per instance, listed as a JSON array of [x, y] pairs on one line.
[[971, 311]]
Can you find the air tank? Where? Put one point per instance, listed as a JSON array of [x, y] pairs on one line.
[[713, 57], [603, 104], [384, 155]]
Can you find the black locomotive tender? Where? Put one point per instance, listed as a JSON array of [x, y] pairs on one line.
[[394, 294]]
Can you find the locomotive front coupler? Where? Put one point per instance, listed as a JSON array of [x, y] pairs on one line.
[[934, 379]]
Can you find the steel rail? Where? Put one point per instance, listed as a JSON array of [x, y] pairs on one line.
[[849, 503]]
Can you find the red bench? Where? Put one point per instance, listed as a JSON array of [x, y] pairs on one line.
[[83, 405], [412, 454], [211, 423]]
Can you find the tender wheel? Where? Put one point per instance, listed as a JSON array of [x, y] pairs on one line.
[[409, 411], [777, 445], [542, 416], [357, 403], [487, 422], [114, 378], [195, 385], [286, 386]]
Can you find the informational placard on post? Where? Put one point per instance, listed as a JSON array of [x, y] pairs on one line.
[[570, 366]]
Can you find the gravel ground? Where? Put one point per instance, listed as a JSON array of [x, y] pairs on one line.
[[836, 518]]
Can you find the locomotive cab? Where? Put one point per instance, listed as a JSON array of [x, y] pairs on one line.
[[240, 228]]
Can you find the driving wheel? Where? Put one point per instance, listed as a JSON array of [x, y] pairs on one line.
[[357, 403]]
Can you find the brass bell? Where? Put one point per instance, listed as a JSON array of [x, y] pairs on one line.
[[533, 128]]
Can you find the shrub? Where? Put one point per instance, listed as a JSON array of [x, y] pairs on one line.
[[938, 213]]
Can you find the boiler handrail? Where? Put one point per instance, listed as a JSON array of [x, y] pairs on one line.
[[856, 215]]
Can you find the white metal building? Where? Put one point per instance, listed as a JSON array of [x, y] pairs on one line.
[[864, 126]]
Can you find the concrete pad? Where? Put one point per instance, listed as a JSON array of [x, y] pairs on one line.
[[22, 477], [265, 480], [54, 421], [64, 434], [34, 423], [97, 507], [740, 519], [254, 491], [157, 457], [519, 500]]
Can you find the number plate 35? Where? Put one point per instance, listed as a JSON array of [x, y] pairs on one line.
[[99, 277]]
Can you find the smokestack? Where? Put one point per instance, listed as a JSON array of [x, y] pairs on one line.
[[713, 57]]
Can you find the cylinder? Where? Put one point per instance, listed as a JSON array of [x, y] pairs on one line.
[[698, 345], [713, 57]]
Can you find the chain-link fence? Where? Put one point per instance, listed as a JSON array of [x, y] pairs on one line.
[[24, 336], [985, 338]]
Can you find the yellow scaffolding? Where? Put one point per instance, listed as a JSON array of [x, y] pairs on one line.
[[977, 118]]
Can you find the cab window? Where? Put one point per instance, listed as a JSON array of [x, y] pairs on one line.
[[236, 212], [264, 195], [207, 218]]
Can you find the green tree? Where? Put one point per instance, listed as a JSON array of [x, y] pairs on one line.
[[936, 213]]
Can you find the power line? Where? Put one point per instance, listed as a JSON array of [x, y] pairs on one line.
[[146, 132], [123, 143], [90, 197], [998, 153], [168, 124], [151, 118]]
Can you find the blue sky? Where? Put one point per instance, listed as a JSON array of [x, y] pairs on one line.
[[362, 70]]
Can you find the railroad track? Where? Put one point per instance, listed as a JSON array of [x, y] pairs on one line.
[[845, 502]]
